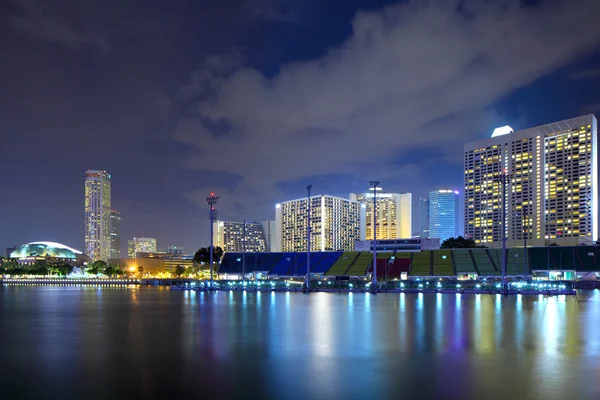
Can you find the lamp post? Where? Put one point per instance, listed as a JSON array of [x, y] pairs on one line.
[[374, 278], [244, 253], [307, 279], [211, 200], [504, 179], [523, 216]]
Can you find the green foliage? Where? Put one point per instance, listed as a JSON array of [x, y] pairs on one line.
[[179, 270], [97, 267], [459, 243]]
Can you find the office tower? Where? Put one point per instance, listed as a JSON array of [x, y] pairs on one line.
[[97, 215], [115, 234], [336, 223], [423, 218], [270, 234], [443, 214], [140, 245], [9, 250], [175, 250], [231, 236], [552, 184], [394, 214]]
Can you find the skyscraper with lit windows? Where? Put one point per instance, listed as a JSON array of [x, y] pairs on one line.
[[443, 214], [237, 236], [335, 224], [552, 189], [394, 214], [115, 234], [97, 214]]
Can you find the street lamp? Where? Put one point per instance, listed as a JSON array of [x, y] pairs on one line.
[[244, 253], [211, 200], [307, 278], [523, 216], [374, 278], [503, 178]]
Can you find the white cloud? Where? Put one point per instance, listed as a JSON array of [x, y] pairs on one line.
[[405, 68]]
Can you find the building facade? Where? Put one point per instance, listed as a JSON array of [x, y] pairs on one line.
[[239, 236], [336, 223], [115, 234], [140, 245], [551, 193], [175, 250], [423, 217], [387, 245], [394, 214], [443, 214], [97, 214], [270, 231]]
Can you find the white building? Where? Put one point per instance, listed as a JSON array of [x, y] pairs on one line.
[[394, 214], [552, 190], [140, 245], [234, 236], [336, 223], [97, 215], [269, 228]]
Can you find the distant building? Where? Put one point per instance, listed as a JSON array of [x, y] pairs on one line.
[[270, 230], [336, 223], [175, 250], [552, 190], [140, 245], [414, 244], [50, 252], [423, 217], [443, 214], [394, 214], [97, 214], [115, 234], [237, 235], [9, 250]]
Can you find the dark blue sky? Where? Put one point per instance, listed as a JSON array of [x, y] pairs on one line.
[[256, 99]]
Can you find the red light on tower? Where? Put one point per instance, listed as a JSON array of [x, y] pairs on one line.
[[212, 193]]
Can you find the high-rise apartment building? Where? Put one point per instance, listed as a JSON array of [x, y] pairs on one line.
[[140, 245], [423, 217], [235, 235], [394, 214], [443, 214], [336, 224], [552, 184], [115, 234], [97, 215], [270, 231]]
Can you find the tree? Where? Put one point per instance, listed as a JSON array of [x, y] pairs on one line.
[[179, 270], [203, 255], [97, 267], [141, 270], [459, 243]]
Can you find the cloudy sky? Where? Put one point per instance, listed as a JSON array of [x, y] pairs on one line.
[[255, 99]]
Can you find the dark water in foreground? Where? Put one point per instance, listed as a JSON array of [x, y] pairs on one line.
[[150, 343]]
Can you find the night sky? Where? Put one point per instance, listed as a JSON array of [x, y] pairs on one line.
[[255, 99]]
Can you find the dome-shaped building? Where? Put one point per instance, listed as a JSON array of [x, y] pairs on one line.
[[33, 251]]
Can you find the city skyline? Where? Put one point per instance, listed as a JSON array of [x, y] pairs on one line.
[[302, 114]]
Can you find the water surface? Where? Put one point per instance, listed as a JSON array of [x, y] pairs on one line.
[[137, 342]]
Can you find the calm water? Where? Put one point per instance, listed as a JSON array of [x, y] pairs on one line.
[[97, 343]]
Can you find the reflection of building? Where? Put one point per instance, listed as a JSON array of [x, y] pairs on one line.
[[140, 245], [553, 190], [270, 235], [115, 234], [97, 215], [443, 214], [231, 236], [415, 244], [50, 252], [336, 223], [423, 217], [175, 250], [394, 214]]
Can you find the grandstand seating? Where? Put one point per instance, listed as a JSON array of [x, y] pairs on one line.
[[325, 262], [383, 261], [587, 258], [400, 264], [226, 263], [483, 263], [463, 262], [496, 255], [515, 263], [360, 265], [299, 267], [282, 267], [269, 261], [343, 263], [442, 263], [421, 264]]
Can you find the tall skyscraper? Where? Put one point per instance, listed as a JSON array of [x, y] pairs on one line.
[[336, 223], [140, 245], [115, 234], [443, 214], [230, 236], [552, 189], [97, 215], [394, 214], [423, 217]]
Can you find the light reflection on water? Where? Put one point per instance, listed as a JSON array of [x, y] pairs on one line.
[[146, 342]]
